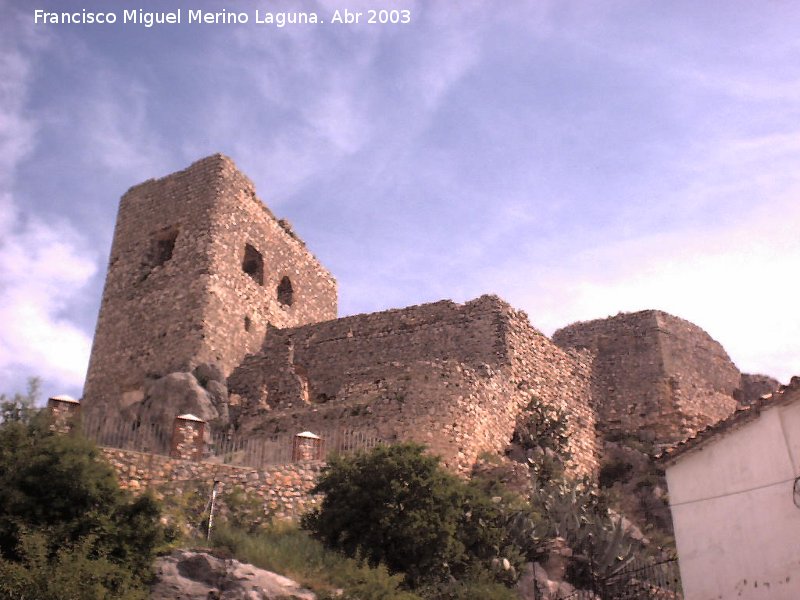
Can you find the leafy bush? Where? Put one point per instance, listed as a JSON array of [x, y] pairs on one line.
[[20, 407], [75, 572], [396, 505], [544, 432], [578, 513], [186, 509], [241, 510], [59, 490], [470, 590]]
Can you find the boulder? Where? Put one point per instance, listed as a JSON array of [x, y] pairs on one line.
[[176, 394], [218, 393], [206, 372], [186, 575]]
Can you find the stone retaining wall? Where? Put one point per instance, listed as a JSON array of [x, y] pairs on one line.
[[284, 489]]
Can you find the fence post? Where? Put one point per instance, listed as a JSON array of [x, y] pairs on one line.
[[213, 504], [187, 437], [307, 446], [63, 410]]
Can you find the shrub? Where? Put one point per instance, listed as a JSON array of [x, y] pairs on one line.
[[396, 505], [75, 572], [20, 407], [186, 508], [543, 430], [59, 489]]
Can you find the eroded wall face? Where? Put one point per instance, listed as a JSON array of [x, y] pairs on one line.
[[328, 355], [180, 289], [704, 377], [262, 275], [655, 372], [454, 377], [151, 316], [560, 378]]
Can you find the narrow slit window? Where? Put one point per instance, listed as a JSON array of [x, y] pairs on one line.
[[253, 264], [285, 292]]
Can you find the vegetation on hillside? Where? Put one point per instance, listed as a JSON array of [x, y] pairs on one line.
[[66, 529], [398, 507], [393, 524]]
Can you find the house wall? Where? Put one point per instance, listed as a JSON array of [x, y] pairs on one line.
[[736, 524]]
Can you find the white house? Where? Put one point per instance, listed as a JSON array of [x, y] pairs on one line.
[[734, 490]]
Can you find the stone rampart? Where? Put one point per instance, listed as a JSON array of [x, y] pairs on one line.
[[655, 373], [754, 386], [454, 377]]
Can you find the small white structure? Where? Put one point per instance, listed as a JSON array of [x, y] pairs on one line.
[[734, 492]]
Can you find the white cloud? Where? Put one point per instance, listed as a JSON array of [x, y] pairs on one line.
[[43, 265], [116, 125], [736, 282], [348, 104]]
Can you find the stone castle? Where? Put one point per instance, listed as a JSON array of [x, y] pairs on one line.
[[214, 306]]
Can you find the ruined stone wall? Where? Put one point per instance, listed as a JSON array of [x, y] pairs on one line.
[[194, 274], [753, 386], [558, 377], [240, 308], [454, 377], [328, 354], [284, 489], [700, 371], [655, 373]]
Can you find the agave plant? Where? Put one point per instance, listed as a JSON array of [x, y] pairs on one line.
[[600, 544]]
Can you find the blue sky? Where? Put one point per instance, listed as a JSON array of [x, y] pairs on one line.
[[577, 158]]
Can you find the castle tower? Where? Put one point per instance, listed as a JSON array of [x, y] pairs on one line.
[[199, 269]]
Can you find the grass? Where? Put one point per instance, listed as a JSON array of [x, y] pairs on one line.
[[289, 551]]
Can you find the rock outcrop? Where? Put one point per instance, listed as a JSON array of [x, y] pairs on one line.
[[186, 575], [202, 393]]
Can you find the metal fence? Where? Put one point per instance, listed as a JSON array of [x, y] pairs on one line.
[[651, 581], [641, 580], [221, 447]]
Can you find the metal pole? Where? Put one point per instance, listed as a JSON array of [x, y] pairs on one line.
[[211, 509]]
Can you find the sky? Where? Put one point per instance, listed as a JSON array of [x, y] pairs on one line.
[[579, 159]]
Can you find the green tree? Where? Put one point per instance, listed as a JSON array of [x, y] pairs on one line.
[[397, 506], [21, 407], [58, 487]]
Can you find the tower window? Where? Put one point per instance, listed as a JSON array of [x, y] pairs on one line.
[[285, 292], [253, 264], [163, 245], [247, 323]]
